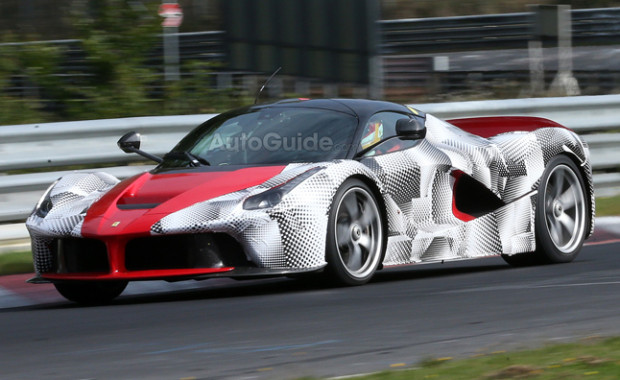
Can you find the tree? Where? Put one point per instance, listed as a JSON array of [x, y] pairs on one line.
[[116, 36]]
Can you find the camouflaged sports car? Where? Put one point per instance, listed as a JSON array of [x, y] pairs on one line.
[[342, 187]]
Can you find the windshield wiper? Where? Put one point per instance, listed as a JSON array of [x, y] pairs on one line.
[[194, 159]]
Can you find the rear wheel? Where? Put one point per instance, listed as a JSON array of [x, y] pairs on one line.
[[561, 215], [91, 292], [355, 236]]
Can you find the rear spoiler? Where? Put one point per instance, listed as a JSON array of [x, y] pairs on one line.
[[489, 126]]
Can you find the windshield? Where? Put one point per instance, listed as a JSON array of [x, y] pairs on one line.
[[271, 135]]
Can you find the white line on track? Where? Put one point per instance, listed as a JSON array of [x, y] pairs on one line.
[[523, 287], [578, 284]]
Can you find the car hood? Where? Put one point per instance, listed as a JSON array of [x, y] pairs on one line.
[[135, 204]]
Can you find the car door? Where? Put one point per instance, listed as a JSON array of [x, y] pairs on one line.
[[415, 177]]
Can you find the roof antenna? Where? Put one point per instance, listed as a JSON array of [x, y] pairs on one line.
[[266, 83]]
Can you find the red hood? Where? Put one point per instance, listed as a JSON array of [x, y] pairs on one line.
[[135, 204]]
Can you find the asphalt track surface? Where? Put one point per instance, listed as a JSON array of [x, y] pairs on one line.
[[284, 328]]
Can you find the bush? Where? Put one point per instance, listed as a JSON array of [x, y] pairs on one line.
[[114, 79]]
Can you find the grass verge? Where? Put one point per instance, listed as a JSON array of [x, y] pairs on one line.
[[608, 206], [16, 262], [594, 358]]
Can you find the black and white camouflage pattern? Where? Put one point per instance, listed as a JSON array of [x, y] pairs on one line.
[[414, 184], [71, 196]]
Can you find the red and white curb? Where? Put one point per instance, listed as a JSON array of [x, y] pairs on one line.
[[606, 231], [15, 292]]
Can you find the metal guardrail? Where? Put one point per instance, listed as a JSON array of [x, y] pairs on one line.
[[596, 26], [441, 34], [46, 146], [52, 145], [600, 26], [87, 142], [584, 114]]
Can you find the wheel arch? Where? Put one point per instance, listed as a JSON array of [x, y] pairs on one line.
[[546, 250], [586, 174], [566, 143]]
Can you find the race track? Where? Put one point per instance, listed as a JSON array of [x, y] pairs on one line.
[[283, 328]]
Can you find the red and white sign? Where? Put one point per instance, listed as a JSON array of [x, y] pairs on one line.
[[172, 14]]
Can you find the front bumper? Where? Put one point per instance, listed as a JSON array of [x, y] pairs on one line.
[[165, 257], [172, 275]]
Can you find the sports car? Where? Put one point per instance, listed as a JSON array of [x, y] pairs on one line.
[[340, 187]]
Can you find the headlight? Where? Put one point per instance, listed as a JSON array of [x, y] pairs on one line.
[[44, 205], [265, 199], [271, 197]]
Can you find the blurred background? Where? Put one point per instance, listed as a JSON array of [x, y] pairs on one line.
[[78, 59]]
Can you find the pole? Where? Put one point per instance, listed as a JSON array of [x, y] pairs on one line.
[[552, 24], [171, 49], [565, 83], [537, 67]]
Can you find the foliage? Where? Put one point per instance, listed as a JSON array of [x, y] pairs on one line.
[[115, 35], [198, 92], [115, 77], [30, 66]]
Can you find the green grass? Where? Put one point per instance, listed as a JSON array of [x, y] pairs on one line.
[[607, 206], [594, 358], [16, 262]]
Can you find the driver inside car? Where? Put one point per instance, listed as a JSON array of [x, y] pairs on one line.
[[373, 134]]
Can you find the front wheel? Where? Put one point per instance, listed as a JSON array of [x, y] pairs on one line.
[[91, 292], [355, 236], [561, 215]]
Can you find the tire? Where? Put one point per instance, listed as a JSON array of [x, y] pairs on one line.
[[91, 292], [561, 216], [355, 235]]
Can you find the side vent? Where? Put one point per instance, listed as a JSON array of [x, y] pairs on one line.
[[471, 199], [137, 206]]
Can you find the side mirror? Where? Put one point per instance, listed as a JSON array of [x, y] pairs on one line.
[[129, 142], [411, 129]]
